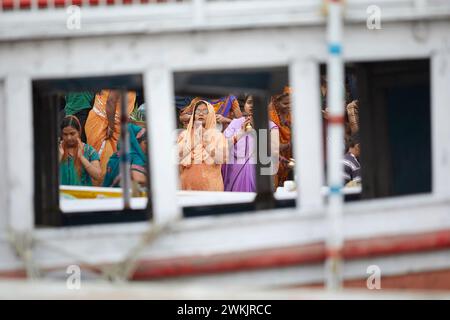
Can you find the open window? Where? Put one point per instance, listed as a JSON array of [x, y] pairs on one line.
[[387, 128], [397, 139], [244, 106], [90, 161]]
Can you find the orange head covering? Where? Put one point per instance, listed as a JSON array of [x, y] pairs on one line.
[[285, 135], [210, 118], [285, 131], [287, 90], [211, 135]]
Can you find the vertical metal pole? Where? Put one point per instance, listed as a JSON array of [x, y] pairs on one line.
[[125, 150], [335, 147]]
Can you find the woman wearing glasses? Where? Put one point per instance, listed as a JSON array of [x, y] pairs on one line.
[[202, 150]]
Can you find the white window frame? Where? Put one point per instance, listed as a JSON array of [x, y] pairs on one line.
[[3, 170], [161, 81], [20, 171], [158, 76], [440, 117]]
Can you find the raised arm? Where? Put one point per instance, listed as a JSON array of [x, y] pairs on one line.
[[352, 112], [185, 114], [92, 167], [111, 102]]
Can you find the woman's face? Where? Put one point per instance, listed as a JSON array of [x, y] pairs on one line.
[[285, 104], [248, 105], [70, 136], [201, 112]]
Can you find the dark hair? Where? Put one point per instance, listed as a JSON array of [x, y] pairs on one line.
[[353, 140], [71, 121], [197, 104], [323, 80], [242, 99]]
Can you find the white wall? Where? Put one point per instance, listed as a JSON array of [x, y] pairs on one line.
[[23, 61], [20, 155], [212, 49], [8, 259], [440, 106]]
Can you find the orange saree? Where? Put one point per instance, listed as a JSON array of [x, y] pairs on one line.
[[284, 128], [202, 152], [97, 125]]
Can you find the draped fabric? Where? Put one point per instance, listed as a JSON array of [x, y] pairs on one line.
[[226, 106], [97, 125], [284, 127], [202, 152], [239, 174], [68, 174], [77, 101], [137, 158]]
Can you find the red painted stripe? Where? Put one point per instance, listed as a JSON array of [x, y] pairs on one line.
[[282, 257], [14, 274], [336, 120], [21, 274], [333, 253], [26, 4], [230, 262]]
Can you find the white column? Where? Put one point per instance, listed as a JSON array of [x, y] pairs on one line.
[[199, 11], [440, 116], [307, 133], [159, 96], [335, 147], [20, 155], [3, 169]]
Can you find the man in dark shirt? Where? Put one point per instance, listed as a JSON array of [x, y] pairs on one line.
[[352, 168]]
